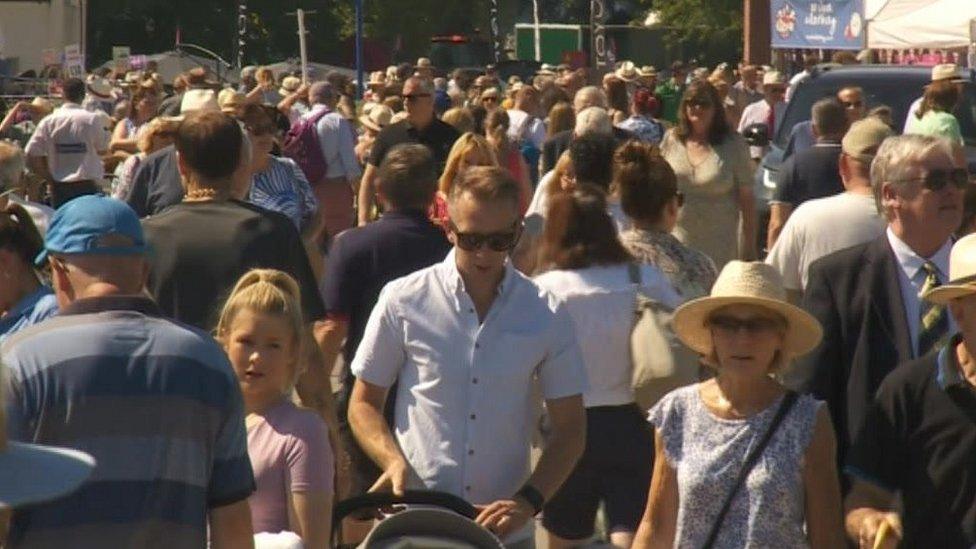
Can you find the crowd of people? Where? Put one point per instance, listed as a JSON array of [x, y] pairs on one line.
[[228, 308]]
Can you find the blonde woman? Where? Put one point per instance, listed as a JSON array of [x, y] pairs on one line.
[[468, 151], [702, 494], [156, 135]]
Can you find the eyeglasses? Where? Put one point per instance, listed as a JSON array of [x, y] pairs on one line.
[[498, 242], [492, 99], [730, 325], [415, 96], [936, 180]]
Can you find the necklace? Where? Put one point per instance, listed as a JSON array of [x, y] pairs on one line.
[[694, 166], [193, 195]]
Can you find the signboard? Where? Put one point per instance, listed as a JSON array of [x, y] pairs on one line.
[[121, 52], [73, 62], [816, 24], [50, 56], [598, 19]]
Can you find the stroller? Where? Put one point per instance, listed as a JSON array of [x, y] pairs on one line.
[[430, 520]]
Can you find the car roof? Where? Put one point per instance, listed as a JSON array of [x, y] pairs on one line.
[[830, 71]]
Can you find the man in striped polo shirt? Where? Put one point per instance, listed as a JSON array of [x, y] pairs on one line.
[[155, 402]]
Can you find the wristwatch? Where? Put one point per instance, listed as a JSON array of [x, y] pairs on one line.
[[533, 496]]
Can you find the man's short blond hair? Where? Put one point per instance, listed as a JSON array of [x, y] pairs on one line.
[[12, 163]]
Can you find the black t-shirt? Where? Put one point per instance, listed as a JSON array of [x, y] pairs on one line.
[[156, 185], [919, 439], [809, 174], [439, 137], [198, 250]]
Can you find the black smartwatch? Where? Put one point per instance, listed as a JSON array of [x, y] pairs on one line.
[[533, 496]]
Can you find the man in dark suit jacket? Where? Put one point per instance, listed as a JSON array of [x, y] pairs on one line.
[[866, 297], [552, 148]]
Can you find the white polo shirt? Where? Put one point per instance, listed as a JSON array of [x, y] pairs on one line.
[[71, 138], [465, 408]]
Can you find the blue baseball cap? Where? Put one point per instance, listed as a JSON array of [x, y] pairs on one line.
[[81, 226]]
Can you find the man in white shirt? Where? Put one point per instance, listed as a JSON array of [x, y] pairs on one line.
[[768, 111], [67, 147], [823, 226], [467, 339], [336, 191]]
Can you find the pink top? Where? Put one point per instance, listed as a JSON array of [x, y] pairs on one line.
[[290, 452]]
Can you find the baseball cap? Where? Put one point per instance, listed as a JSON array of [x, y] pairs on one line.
[[85, 225], [864, 137]]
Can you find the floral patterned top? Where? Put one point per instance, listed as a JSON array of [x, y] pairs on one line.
[[691, 272], [707, 453]]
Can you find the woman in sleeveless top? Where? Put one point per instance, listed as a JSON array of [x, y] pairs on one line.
[[703, 433]]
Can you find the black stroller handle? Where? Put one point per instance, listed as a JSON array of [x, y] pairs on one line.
[[410, 497]]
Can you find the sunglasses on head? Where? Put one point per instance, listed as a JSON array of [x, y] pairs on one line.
[[498, 242], [936, 180], [732, 325]]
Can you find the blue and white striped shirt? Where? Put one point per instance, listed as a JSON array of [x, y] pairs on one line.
[[283, 188]]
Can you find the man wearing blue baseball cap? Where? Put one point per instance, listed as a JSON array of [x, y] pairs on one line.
[[155, 402]]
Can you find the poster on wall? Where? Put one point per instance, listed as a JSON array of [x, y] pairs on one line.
[[816, 24]]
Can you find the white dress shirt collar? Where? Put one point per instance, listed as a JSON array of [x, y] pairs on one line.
[[455, 283]]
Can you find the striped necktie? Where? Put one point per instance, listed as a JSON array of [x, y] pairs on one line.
[[934, 321]]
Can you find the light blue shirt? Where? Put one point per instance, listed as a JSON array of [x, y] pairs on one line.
[[338, 142], [32, 309], [911, 278], [465, 408]]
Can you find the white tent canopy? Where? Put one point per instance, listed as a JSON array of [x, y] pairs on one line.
[[901, 24]]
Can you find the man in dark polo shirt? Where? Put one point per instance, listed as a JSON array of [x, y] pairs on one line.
[[363, 260], [919, 439], [814, 172], [421, 126]]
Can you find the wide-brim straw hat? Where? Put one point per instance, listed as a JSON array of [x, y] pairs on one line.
[[378, 117], [962, 273], [289, 85], [627, 71], [99, 87], [747, 283]]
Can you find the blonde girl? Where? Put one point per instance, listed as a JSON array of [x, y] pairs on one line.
[[263, 332]]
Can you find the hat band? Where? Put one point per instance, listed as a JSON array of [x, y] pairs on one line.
[[961, 281]]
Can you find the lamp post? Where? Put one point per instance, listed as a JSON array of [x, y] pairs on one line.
[[359, 49]]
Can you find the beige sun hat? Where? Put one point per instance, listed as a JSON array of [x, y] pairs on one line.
[[289, 85], [747, 283], [424, 63], [647, 71], [378, 117], [376, 78], [962, 273], [42, 105], [627, 71], [946, 71], [99, 87], [774, 78], [199, 100], [229, 100]]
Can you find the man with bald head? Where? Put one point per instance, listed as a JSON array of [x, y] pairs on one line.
[[335, 191], [421, 126], [589, 96]]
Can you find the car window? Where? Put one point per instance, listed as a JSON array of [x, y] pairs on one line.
[[898, 94]]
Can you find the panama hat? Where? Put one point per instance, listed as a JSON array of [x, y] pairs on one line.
[[774, 78], [747, 283], [647, 71], [289, 85], [99, 87], [627, 71], [31, 473], [376, 78], [229, 100], [962, 273], [198, 100], [424, 63], [378, 117], [946, 71]]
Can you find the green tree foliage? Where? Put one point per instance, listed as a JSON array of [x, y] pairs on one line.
[[710, 26]]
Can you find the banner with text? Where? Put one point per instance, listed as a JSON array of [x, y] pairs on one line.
[[815, 24]]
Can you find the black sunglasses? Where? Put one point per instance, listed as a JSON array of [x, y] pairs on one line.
[[936, 180], [498, 242], [733, 325]]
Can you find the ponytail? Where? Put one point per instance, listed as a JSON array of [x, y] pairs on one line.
[[19, 234]]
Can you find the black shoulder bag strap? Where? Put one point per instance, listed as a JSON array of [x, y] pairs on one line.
[[751, 459]]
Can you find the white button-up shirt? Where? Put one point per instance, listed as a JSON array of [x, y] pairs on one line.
[[911, 278], [338, 142], [465, 407], [71, 138], [602, 300], [758, 113]]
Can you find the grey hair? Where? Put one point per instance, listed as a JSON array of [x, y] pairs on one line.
[[589, 96], [828, 117], [896, 157], [12, 163], [593, 120]]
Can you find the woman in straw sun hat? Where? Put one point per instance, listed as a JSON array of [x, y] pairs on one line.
[[706, 491]]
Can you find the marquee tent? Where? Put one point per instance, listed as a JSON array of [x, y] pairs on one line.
[[901, 24]]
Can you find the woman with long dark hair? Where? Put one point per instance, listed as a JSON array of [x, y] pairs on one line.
[[715, 176], [593, 274]]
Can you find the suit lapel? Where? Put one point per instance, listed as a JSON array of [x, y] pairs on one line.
[[886, 297]]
